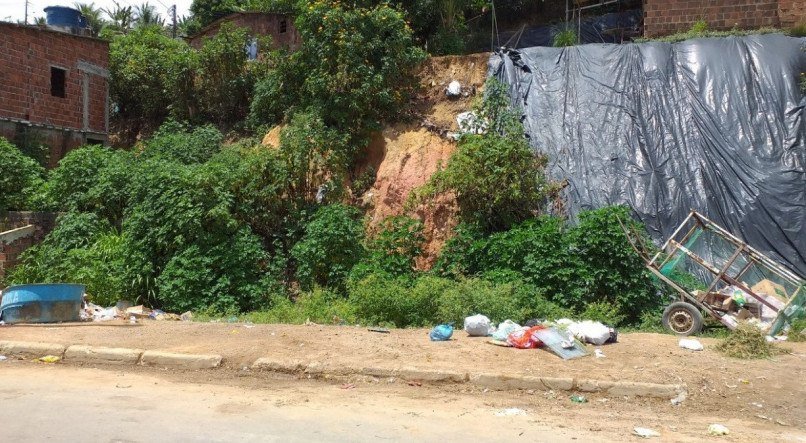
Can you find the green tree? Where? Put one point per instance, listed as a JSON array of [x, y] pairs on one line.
[[145, 14], [151, 75], [207, 11], [94, 17]]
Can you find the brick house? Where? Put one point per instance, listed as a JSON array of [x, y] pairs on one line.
[[54, 88], [662, 17], [280, 27]]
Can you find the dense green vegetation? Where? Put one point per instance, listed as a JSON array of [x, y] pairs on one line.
[[185, 221], [198, 216]]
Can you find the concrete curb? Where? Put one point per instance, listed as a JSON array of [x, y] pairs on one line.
[[488, 381], [113, 356], [185, 361], [31, 349]]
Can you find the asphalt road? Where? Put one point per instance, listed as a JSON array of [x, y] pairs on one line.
[[55, 403]]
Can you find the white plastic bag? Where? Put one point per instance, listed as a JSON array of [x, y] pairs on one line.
[[454, 89], [690, 343], [591, 332], [477, 326], [504, 329]]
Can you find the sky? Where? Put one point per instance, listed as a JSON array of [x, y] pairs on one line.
[[14, 10]]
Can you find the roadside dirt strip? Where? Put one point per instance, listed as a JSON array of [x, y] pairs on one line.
[[82, 354]]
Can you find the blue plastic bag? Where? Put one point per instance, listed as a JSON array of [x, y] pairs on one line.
[[441, 332]]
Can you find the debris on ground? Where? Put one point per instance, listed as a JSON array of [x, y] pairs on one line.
[[691, 344], [49, 359], [509, 412], [186, 316], [524, 338], [478, 326], [454, 89], [504, 329], [718, 429], [645, 432], [564, 345], [747, 341], [598, 353], [681, 397], [441, 332], [588, 331], [579, 399], [3, 357]]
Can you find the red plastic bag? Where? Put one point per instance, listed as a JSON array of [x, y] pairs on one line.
[[524, 338]]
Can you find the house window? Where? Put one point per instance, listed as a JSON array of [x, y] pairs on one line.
[[57, 80], [283, 26]]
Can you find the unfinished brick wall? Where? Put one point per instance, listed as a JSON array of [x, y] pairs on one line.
[[791, 12], [663, 17], [18, 232], [259, 23], [27, 54]]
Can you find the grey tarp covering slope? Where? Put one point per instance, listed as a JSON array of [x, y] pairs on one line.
[[712, 124]]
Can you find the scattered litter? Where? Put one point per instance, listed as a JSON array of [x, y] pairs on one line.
[[477, 326], [717, 429], [690, 343], [645, 432], [123, 386], [381, 330], [524, 338], [592, 332], [504, 329], [414, 383], [681, 397], [758, 405], [598, 353], [132, 320], [565, 346], [138, 311], [186, 316], [348, 386], [509, 412], [579, 399], [248, 325], [470, 123], [454, 89], [441, 332], [3, 357], [49, 359]]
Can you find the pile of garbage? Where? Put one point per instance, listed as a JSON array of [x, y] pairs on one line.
[[124, 310], [563, 337]]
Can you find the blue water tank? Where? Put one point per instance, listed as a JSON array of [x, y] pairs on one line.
[[64, 17]]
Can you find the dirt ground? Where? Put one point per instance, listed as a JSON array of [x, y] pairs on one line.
[[762, 392]]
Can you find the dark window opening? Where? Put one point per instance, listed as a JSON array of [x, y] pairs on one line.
[[57, 80], [94, 141], [283, 26]]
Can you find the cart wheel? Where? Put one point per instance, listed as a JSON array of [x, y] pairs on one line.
[[682, 318]]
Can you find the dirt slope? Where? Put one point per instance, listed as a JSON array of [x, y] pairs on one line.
[[405, 155]]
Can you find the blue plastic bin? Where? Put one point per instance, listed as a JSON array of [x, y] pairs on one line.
[[41, 303]]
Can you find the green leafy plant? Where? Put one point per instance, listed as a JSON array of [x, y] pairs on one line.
[[21, 178], [178, 142], [393, 250], [330, 247], [565, 37], [700, 27], [747, 341]]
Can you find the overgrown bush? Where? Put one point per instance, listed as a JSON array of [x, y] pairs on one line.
[[82, 248], [565, 37], [330, 247], [177, 142], [21, 178], [393, 249], [496, 177], [573, 266]]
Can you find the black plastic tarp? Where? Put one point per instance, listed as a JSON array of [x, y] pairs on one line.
[[713, 124], [607, 28]]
